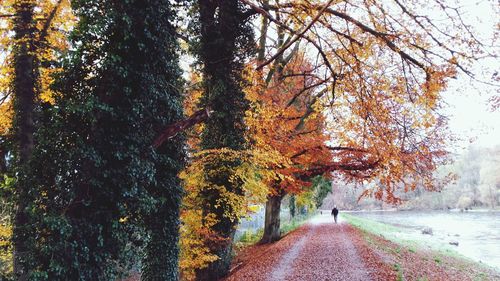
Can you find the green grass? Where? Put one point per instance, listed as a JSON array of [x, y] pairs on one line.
[[437, 259], [396, 235], [371, 226], [294, 223], [481, 277], [250, 237]]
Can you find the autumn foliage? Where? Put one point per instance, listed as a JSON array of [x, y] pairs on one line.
[[54, 19], [284, 143], [197, 234], [377, 82], [287, 121]]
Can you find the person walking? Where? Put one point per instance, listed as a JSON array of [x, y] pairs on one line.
[[335, 213]]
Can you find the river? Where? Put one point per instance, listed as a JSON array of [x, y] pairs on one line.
[[477, 232]]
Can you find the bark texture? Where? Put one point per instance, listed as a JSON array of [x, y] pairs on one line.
[[24, 85], [272, 219]]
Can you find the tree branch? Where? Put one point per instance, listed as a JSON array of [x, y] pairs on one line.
[[332, 148], [297, 36], [362, 167], [265, 13], [45, 29], [172, 130]]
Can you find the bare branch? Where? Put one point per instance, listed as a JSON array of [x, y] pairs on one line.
[[301, 35]]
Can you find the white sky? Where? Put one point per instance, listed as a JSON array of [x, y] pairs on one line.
[[471, 118]]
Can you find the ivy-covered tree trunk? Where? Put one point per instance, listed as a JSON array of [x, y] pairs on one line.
[[24, 85], [101, 185], [161, 261], [272, 219], [225, 41]]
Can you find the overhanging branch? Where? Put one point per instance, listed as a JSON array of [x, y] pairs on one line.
[[172, 130], [265, 12], [316, 171]]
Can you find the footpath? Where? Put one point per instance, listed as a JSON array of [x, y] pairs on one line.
[[324, 251]]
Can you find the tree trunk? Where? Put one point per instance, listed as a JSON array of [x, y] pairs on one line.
[[164, 230], [272, 219], [3, 163], [220, 268], [261, 53], [24, 85], [225, 37], [292, 206]]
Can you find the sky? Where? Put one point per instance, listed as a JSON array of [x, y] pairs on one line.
[[471, 118], [470, 115]]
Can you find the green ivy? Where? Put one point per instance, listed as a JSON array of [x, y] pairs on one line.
[[102, 194], [225, 41]]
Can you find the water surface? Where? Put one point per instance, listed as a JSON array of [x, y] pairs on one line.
[[477, 232]]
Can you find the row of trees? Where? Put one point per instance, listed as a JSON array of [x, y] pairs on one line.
[[476, 185], [101, 165]]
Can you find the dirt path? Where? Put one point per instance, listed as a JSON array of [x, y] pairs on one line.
[[287, 260], [334, 256], [320, 250]]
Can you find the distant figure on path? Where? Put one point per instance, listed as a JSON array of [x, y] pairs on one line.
[[335, 213]]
